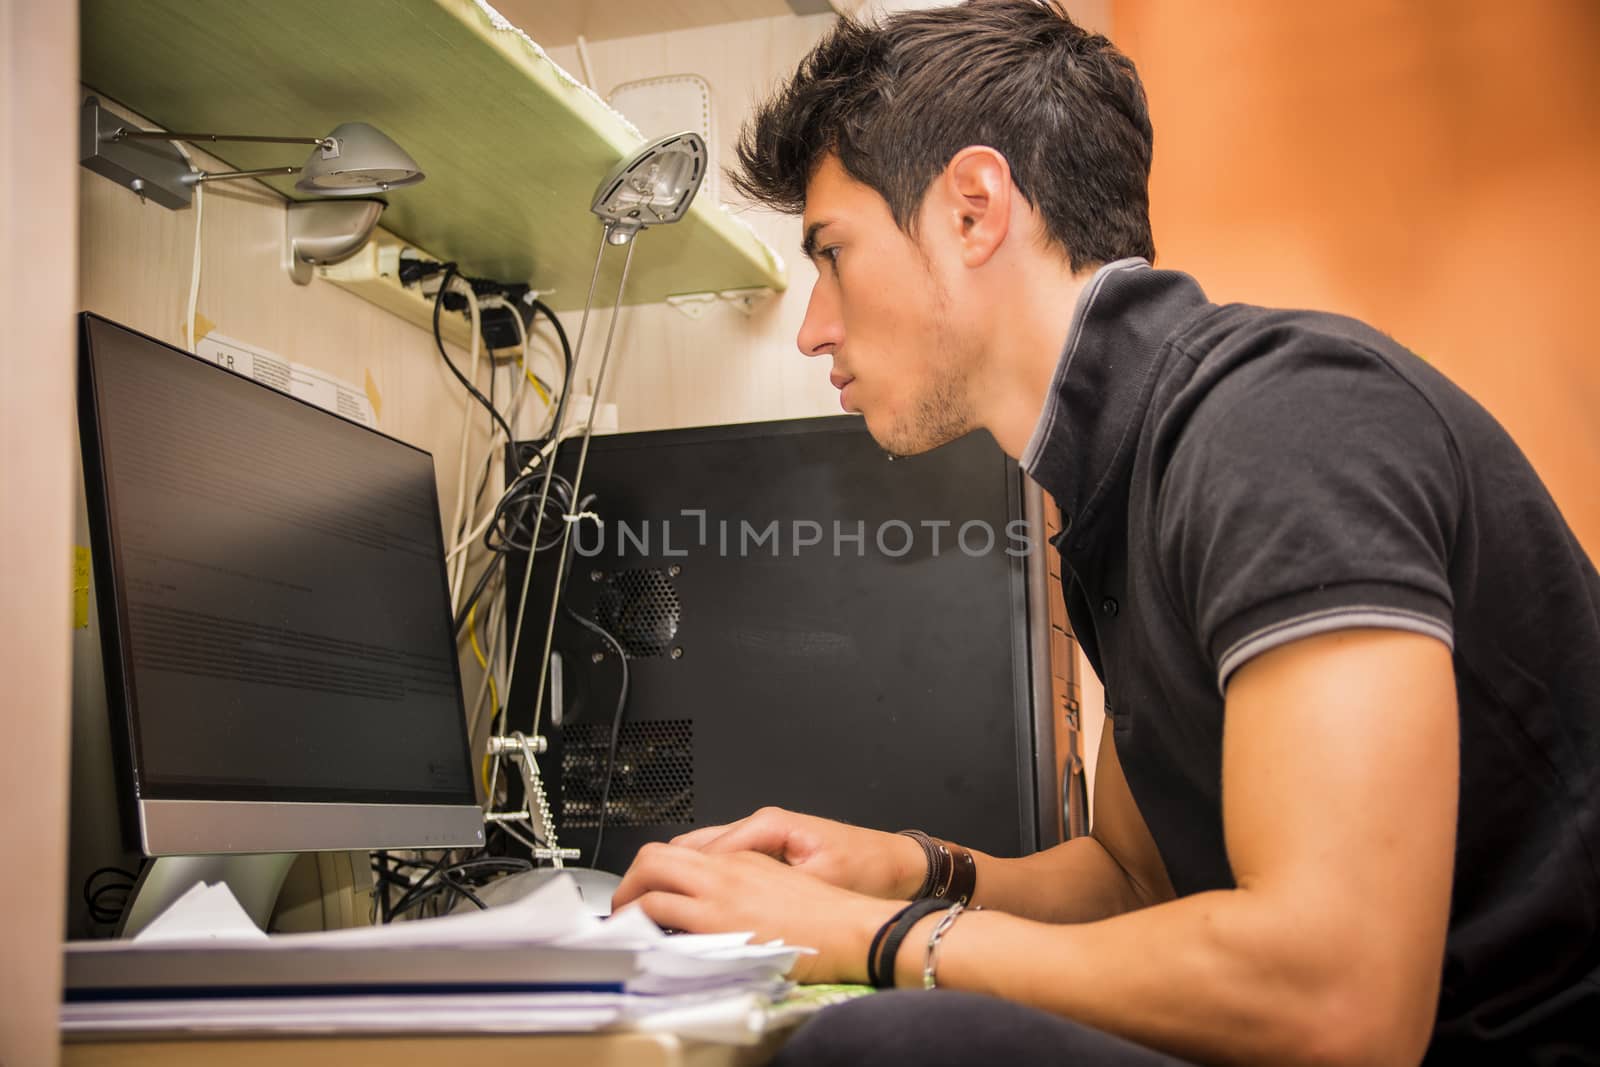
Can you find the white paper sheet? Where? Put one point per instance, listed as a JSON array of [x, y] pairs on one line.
[[308, 383], [715, 987], [204, 913]]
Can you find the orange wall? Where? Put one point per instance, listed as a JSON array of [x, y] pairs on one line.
[[1430, 167]]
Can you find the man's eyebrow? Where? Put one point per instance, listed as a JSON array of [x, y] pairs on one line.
[[808, 247]]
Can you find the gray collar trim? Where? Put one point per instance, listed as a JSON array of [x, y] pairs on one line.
[[1047, 419]]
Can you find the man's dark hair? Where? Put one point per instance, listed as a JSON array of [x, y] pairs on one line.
[[896, 101]]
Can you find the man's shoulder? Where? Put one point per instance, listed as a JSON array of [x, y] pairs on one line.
[[1263, 375], [1232, 326]]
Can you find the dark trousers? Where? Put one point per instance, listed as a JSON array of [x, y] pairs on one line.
[[944, 1028]]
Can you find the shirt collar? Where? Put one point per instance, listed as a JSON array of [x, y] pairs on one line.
[[1082, 447]]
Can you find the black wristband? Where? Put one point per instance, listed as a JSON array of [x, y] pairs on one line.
[[877, 940], [880, 968]]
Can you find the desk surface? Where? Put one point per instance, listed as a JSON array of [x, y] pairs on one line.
[[548, 1050]]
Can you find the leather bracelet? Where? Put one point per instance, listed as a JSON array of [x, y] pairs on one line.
[[952, 871], [930, 855], [880, 970], [963, 882]]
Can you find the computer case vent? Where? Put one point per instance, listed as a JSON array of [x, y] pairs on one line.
[[652, 779], [640, 608]]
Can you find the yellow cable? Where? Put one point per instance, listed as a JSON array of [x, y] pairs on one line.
[[472, 632], [534, 381], [494, 693]]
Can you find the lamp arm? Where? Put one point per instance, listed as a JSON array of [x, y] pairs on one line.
[[230, 175], [125, 134]]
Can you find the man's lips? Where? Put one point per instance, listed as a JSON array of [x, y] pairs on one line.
[[840, 380]]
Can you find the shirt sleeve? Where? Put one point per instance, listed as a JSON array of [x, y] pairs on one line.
[[1308, 492]]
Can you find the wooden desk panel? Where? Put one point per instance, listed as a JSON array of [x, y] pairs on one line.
[[547, 1050]]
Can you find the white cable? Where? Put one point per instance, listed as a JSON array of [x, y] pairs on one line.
[[583, 63], [457, 574], [519, 395], [194, 274], [510, 412], [560, 376], [461, 539], [194, 259]]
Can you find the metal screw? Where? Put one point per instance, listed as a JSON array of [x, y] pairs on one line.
[[595, 576], [677, 653], [674, 570], [596, 657]]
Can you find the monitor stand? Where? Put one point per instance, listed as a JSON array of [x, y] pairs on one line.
[[254, 881]]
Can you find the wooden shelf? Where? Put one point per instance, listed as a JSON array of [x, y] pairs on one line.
[[512, 147]]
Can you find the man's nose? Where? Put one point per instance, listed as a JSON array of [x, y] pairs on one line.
[[821, 330]]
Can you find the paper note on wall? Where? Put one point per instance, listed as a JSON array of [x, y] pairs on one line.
[[298, 380]]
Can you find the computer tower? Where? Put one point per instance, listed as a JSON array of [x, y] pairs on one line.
[[806, 623]]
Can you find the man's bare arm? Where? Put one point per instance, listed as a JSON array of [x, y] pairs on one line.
[[1115, 869], [1340, 784]]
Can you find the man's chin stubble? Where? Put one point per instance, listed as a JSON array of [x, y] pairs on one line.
[[937, 421]]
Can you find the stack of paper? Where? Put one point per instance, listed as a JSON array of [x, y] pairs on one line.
[[543, 963]]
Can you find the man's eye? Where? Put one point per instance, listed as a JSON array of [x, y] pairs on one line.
[[831, 254]]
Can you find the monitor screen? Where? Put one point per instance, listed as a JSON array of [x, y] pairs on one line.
[[274, 612]]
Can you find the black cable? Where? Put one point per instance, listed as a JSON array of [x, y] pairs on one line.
[[461, 890], [523, 493], [616, 728], [477, 592], [422, 896], [105, 913], [491, 865], [500, 536], [493, 376], [566, 349], [451, 272], [416, 894], [109, 913], [98, 871]]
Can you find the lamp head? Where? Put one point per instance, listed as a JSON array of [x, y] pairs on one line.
[[652, 187], [357, 160]]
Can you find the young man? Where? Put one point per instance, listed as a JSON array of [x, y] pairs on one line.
[[1348, 807]]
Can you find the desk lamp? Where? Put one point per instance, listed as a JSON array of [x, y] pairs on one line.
[[652, 187], [355, 160]]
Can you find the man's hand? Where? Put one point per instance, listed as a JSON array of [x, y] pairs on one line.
[[687, 889], [864, 861]]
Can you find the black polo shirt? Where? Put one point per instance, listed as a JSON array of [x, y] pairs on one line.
[[1234, 478]]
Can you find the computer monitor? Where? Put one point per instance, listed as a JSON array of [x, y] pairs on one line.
[[279, 661]]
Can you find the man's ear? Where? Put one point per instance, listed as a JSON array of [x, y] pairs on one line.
[[977, 187]]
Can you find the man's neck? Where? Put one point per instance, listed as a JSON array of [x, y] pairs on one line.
[[1031, 327]]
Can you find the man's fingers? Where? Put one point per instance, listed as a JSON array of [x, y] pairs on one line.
[[658, 866], [767, 831], [699, 838], [672, 911]]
